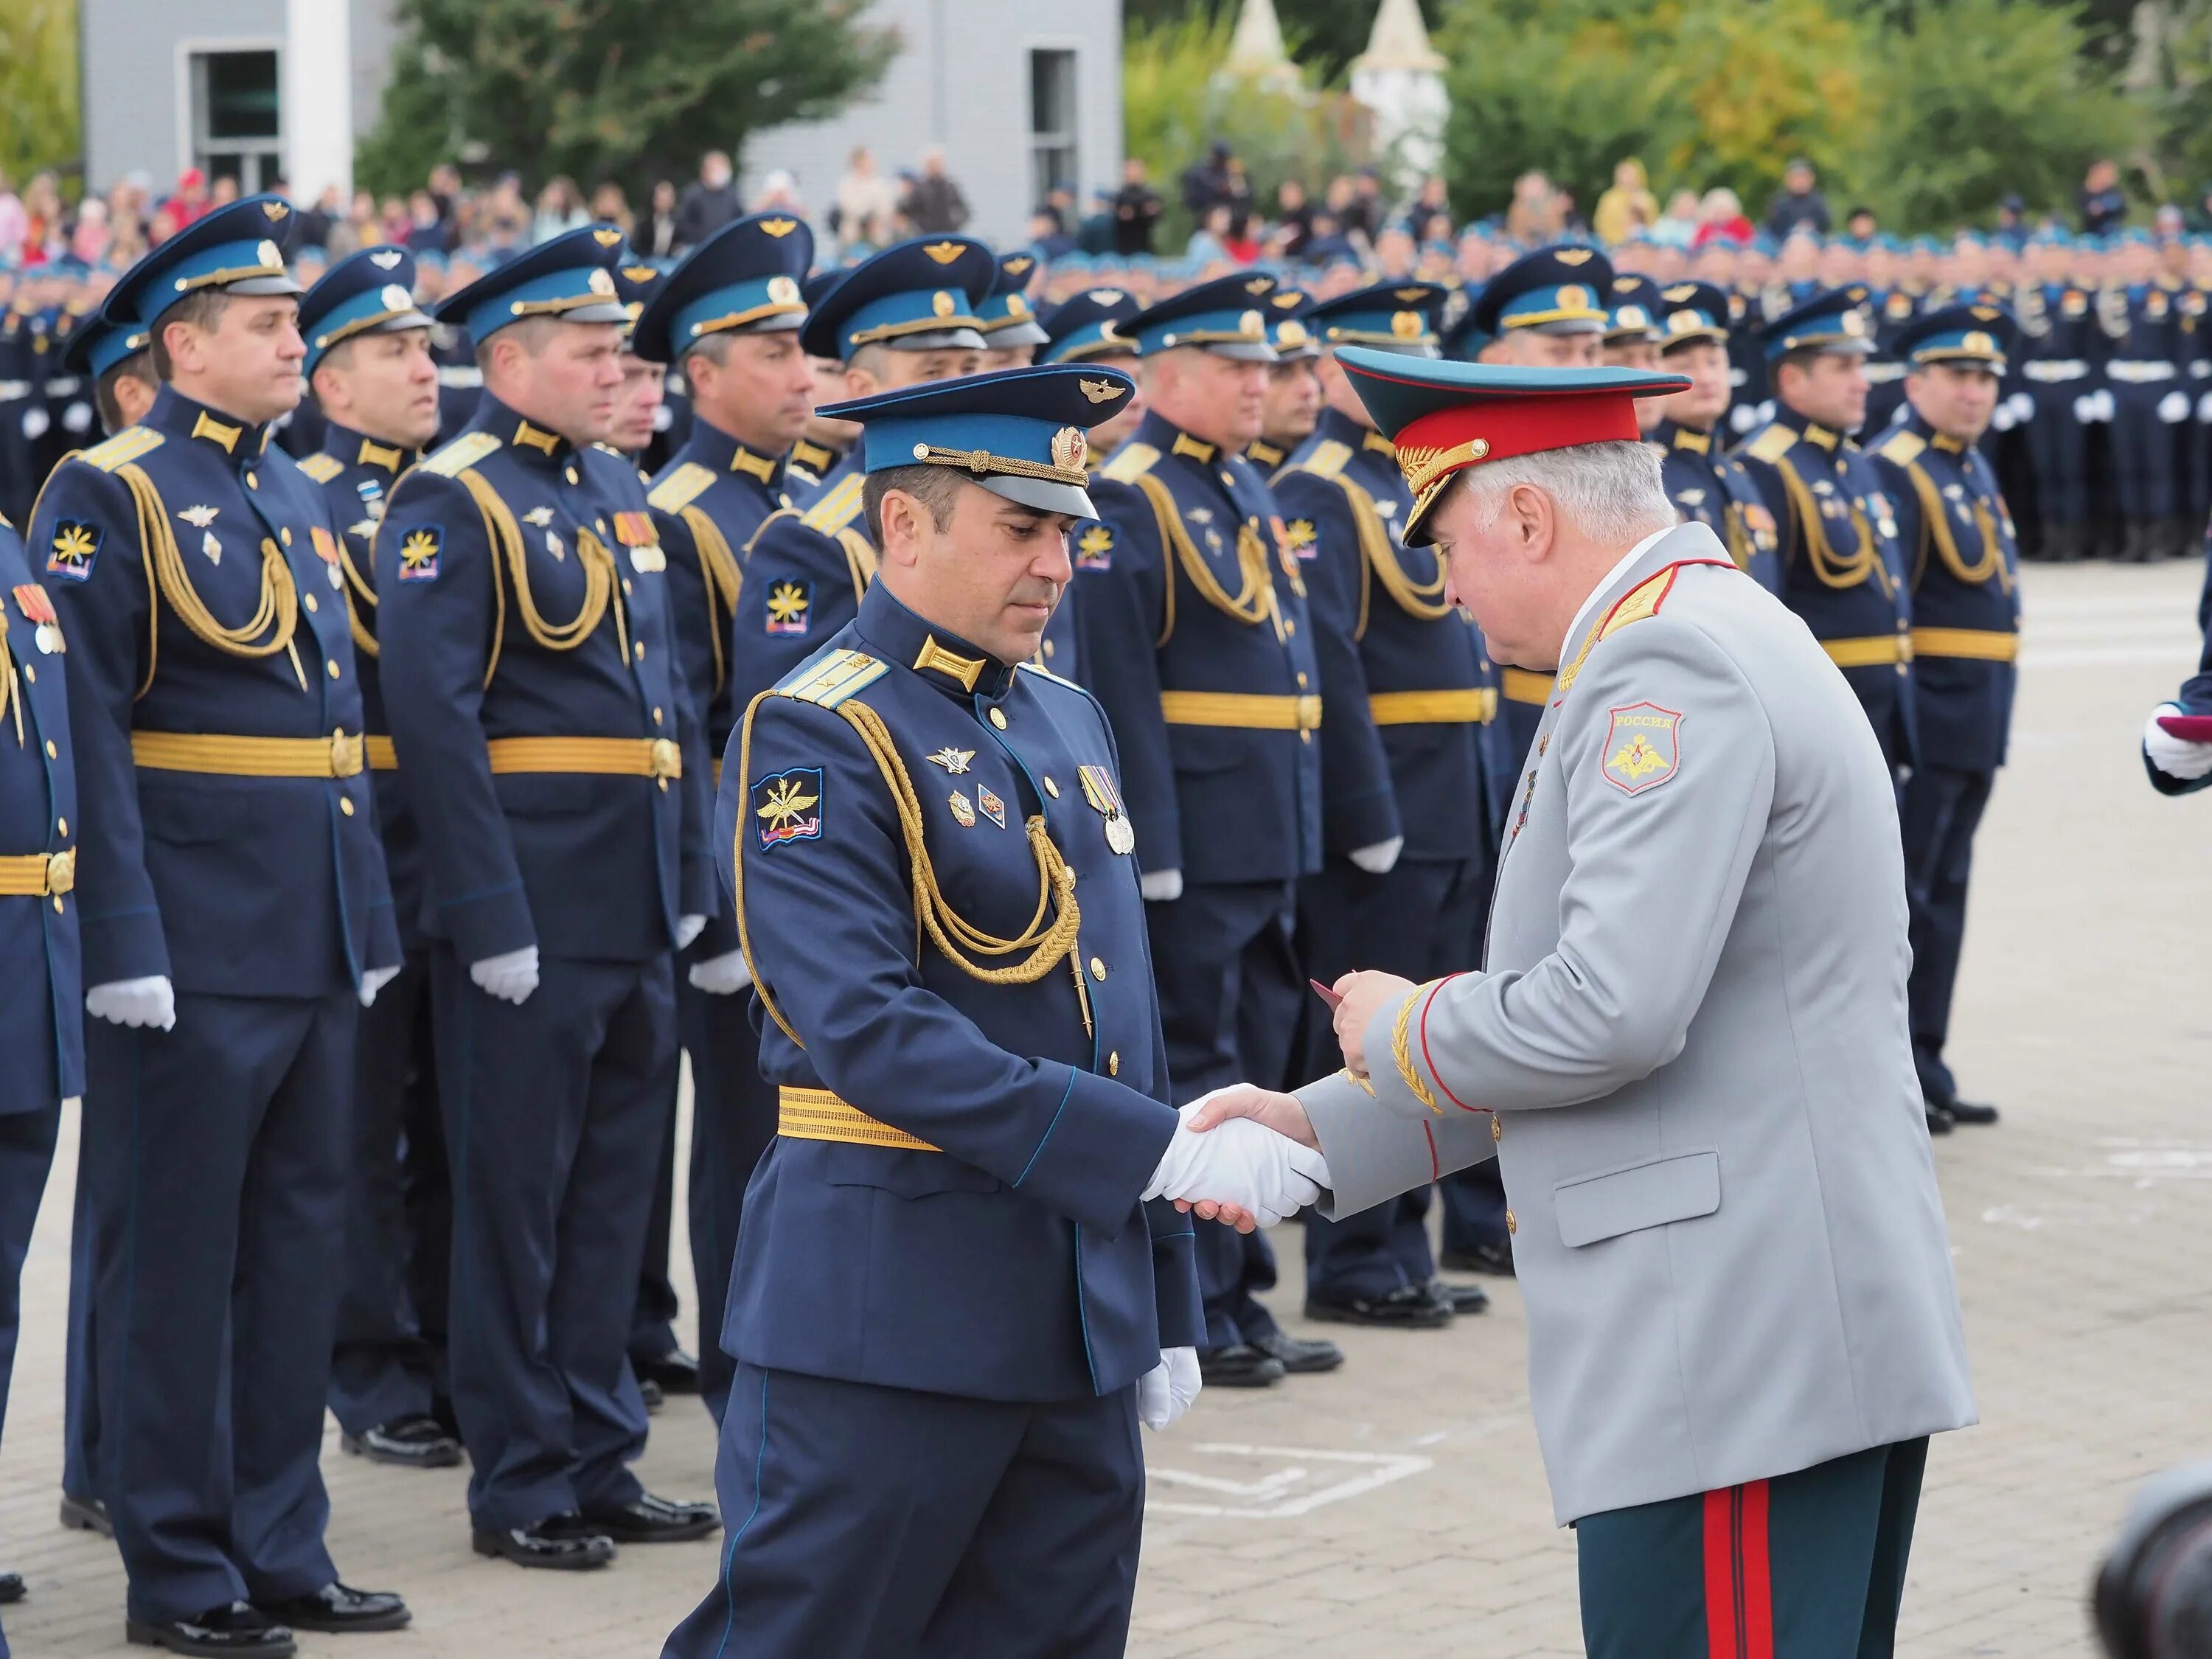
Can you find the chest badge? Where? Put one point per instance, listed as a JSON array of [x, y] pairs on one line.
[[200, 518], [964, 810], [538, 517], [38, 611], [990, 805], [556, 546], [1105, 800], [954, 760]]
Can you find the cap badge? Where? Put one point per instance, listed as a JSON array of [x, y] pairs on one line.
[[276, 212], [386, 259], [942, 303], [607, 237], [944, 253], [1573, 256], [601, 282], [1104, 296], [1068, 447], [778, 227], [1098, 392], [1407, 324], [395, 298]]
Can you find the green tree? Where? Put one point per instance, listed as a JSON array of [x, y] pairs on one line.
[[630, 90], [39, 117]]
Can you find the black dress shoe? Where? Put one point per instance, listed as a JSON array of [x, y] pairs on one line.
[[1482, 1259], [407, 1443], [646, 1519], [1939, 1121], [238, 1628], [1460, 1298], [1300, 1357], [1238, 1366], [1971, 1111], [675, 1371], [337, 1608], [1409, 1307], [11, 1588], [654, 1397], [87, 1515], [559, 1542]]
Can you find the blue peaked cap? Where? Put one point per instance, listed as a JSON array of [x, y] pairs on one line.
[[749, 277], [371, 292], [238, 249], [571, 277]]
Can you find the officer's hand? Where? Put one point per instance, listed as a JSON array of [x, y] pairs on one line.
[[2177, 757], [1363, 995], [1164, 1393], [1285, 1113], [373, 979], [1377, 860], [1161, 886], [511, 977], [689, 928], [1241, 1163], [143, 1002], [721, 977]]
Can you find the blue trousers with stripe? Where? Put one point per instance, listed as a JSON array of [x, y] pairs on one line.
[[867, 1523]]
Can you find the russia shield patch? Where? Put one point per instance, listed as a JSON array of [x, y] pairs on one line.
[[1642, 747]]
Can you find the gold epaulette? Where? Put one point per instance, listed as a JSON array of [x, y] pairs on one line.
[[836, 509], [836, 676], [1902, 448], [125, 448], [681, 488], [1771, 445], [1130, 463], [459, 456], [1640, 602], [1044, 673], [1327, 460], [322, 468]]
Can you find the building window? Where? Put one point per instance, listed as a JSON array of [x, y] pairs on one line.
[[1052, 123], [234, 118]]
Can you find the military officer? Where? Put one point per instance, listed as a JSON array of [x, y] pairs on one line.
[[950, 1308], [370, 367], [1632, 336], [2061, 348], [904, 316], [42, 1019], [1011, 331], [1086, 328], [1704, 481], [2142, 323], [823, 444], [727, 317], [538, 715], [1406, 821], [1194, 640], [1293, 389], [236, 921], [1958, 539], [1841, 568]]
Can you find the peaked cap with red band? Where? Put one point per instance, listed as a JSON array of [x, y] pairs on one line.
[[1444, 416]]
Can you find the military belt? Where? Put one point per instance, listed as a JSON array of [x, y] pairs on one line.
[[817, 1114], [1873, 651], [2131, 371], [37, 875], [382, 757], [1249, 711], [622, 757], [2056, 371], [1520, 685], [338, 756], [1982, 644], [1472, 705]]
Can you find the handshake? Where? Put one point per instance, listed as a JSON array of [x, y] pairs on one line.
[[1243, 1156]]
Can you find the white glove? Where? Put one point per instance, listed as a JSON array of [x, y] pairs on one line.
[[2105, 407], [2023, 407], [2205, 408], [721, 977], [2173, 407], [689, 928], [2177, 757], [2002, 420], [2085, 407], [151, 1001], [373, 979], [1161, 886], [1377, 860], [1164, 1393], [36, 422], [511, 977], [1264, 1174]]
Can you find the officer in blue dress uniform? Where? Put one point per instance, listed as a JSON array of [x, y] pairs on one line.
[[2144, 371], [370, 367], [1631, 339], [950, 1308], [1010, 328], [1293, 405], [727, 320], [1842, 571], [538, 716], [1195, 638], [42, 1019], [1958, 539], [1086, 328], [2062, 346], [904, 316], [1707, 484], [823, 444], [236, 918], [1409, 852]]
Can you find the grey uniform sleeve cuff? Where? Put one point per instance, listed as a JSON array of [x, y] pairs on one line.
[[1373, 1155]]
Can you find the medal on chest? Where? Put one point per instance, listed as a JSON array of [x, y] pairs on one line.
[[1098, 789]]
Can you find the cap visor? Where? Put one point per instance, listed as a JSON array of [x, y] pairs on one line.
[[1565, 325], [1042, 494], [604, 311], [1401, 347], [1242, 351], [938, 339], [261, 287], [1015, 334]]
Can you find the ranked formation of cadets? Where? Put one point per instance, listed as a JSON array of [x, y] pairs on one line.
[[360, 820]]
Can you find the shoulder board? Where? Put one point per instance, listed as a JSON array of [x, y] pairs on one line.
[[681, 488], [1043, 673], [459, 456], [1130, 463], [1327, 459], [836, 676], [836, 509], [322, 468], [1902, 448], [1641, 601], [125, 446], [1773, 444]]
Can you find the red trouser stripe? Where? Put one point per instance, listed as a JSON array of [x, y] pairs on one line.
[[1758, 1576], [1720, 1575], [1739, 1578]]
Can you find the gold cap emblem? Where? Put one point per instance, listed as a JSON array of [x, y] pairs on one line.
[[1572, 256], [601, 282], [1407, 324], [942, 303], [1252, 325], [782, 291], [395, 298], [944, 253], [1068, 447], [607, 237], [778, 227]]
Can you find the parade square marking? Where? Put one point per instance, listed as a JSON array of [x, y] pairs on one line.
[[1284, 1491]]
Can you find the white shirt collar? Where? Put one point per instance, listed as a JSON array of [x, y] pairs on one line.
[[1575, 627]]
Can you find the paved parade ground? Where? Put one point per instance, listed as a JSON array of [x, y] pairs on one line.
[[1398, 1507]]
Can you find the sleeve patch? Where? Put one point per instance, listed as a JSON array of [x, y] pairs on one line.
[[419, 547], [76, 545], [787, 806], [1300, 537], [1094, 549], [788, 603], [1642, 747]]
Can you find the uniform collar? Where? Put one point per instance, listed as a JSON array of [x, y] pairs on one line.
[[1673, 435], [175, 415], [1169, 438], [815, 457], [1265, 454], [719, 453], [941, 657], [1928, 434], [1333, 427], [529, 440], [359, 449], [1607, 587], [1820, 437]]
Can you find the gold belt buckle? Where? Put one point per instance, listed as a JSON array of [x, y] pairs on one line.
[[61, 872], [667, 759], [345, 756]]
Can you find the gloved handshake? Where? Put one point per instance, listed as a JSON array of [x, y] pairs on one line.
[[1240, 1166]]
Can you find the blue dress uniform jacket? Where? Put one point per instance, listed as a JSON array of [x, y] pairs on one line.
[[1957, 538], [1196, 652], [526, 843], [2059, 358], [952, 1204], [1709, 486], [1842, 572], [805, 572], [160, 711], [2145, 370]]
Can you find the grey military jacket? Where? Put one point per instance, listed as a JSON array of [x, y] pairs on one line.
[[1689, 1041]]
